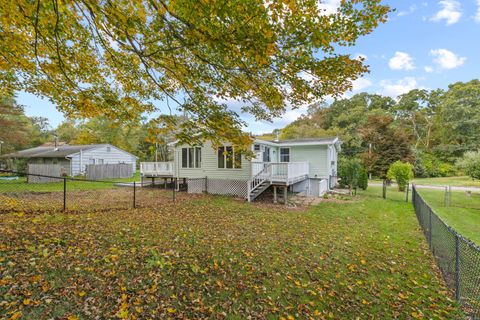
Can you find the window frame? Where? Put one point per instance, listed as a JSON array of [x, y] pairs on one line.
[[230, 163], [188, 163], [281, 155]]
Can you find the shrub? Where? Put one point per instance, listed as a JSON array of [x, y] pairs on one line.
[[352, 174], [429, 166], [470, 164], [401, 172], [363, 179]]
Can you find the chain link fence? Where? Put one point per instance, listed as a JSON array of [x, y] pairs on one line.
[[457, 257], [24, 192]]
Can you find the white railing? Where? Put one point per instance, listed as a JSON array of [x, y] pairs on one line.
[[280, 171], [157, 168], [263, 173]]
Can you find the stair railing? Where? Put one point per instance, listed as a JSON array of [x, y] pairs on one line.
[[259, 178]]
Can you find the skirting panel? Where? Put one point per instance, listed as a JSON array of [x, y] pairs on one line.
[[237, 188]]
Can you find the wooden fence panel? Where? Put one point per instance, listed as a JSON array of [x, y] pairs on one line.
[[52, 170], [108, 171]]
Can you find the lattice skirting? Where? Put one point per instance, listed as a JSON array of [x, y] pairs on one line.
[[237, 188]]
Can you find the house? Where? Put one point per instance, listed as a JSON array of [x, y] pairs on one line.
[[74, 158], [303, 165]]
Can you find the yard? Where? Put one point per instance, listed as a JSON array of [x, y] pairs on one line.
[[208, 256]]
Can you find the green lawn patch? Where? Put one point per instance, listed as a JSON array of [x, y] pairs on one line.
[[210, 256], [463, 214], [461, 181]]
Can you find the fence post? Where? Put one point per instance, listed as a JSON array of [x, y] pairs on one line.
[[206, 184], [134, 194], [445, 197], [64, 194], [408, 188], [430, 229], [384, 190], [457, 267], [173, 189]]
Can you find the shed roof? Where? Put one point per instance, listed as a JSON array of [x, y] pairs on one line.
[[52, 152]]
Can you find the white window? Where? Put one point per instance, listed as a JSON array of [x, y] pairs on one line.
[[256, 147], [228, 158], [284, 154], [266, 154], [192, 157]]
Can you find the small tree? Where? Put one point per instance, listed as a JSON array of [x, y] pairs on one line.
[[470, 164], [363, 179], [352, 174], [401, 172]]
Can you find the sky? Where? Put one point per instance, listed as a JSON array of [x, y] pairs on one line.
[[424, 44]]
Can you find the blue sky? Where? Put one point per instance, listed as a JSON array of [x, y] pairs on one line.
[[424, 44]]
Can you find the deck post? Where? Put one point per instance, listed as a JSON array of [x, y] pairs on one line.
[[285, 195], [274, 194], [165, 181]]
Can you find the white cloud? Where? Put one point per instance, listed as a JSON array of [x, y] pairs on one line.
[[360, 84], [328, 6], [450, 12], [477, 15], [401, 61], [410, 10], [428, 69], [447, 59], [394, 89]]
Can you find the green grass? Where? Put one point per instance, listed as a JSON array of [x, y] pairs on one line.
[[463, 214], [209, 257], [21, 185], [462, 181]]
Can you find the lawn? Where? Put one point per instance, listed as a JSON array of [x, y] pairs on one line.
[[463, 214], [214, 257], [22, 185], [462, 181]]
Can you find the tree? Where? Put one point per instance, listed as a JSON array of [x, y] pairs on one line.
[[351, 173], [388, 144], [459, 115], [116, 58], [15, 127], [401, 172], [470, 164]]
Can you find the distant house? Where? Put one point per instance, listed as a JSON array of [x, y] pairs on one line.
[[74, 158]]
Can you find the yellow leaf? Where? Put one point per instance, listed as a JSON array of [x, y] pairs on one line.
[[171, 310], [16, 315], [27, 302]]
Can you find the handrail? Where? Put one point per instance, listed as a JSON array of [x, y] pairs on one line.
[[262, 176], [156, 167]]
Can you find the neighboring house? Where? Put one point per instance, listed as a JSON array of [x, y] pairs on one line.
[[74, 158], [303, 165]]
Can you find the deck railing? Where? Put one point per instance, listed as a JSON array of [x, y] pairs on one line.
[[288, 172], [157, 168]]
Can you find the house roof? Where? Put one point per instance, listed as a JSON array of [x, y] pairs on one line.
[[60, 151], [302, 142]]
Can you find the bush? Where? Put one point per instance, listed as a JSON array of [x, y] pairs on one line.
[[352, 174], [470, 164], [363, 179], [401, 172], [429, 166]]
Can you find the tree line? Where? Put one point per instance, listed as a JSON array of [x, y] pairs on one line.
[[145, 138], [430, 129]]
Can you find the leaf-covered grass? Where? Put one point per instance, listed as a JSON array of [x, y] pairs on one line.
[[216, 257], [463, 214]]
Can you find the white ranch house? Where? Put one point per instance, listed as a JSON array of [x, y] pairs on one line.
[[304, 165], [74, 158]]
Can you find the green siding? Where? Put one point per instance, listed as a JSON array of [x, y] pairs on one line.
[[210, 166], [316, 156]]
